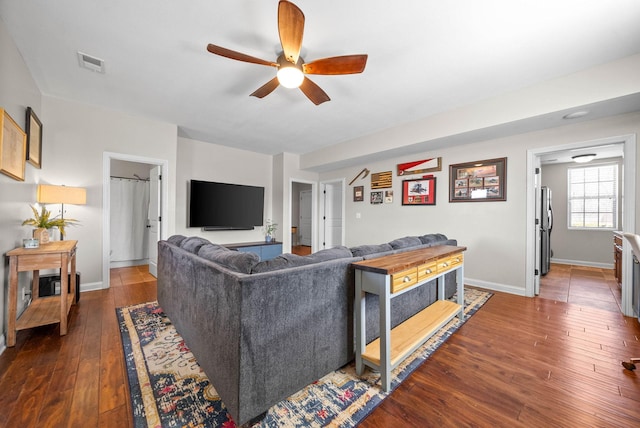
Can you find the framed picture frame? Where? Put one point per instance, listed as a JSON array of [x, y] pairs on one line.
[[13, 147], [376, 197], [419, 191], [358, 194], [479, 181], [34, 139]]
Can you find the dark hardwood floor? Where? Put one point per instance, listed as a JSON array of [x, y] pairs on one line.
[[517, 362]]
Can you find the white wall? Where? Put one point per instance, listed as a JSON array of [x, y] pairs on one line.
[[582, 247], [17, 92], [211, 162], [77, 137], [494, 232]]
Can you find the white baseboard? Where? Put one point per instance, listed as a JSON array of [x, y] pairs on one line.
[[582, 263], [128, 263], [505, 288], [92, 286]]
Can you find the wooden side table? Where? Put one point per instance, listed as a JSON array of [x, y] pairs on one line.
[[43, 310]]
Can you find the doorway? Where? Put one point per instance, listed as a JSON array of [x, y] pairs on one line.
[[155, 228], [301, 208], [533, 247]]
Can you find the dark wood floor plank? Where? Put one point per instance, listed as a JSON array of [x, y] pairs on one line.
[[517, 362]]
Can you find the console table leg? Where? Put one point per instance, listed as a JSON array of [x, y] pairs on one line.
[[385, 336], [360, 323], [460, 283]]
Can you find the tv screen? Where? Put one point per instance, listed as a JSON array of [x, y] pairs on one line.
[[222, 206]]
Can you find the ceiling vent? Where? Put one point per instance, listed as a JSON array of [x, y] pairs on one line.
[[90, 62]]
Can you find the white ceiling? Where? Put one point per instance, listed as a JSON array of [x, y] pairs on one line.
[[425, 57]]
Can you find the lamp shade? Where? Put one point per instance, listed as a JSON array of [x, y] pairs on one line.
[[50, 194]]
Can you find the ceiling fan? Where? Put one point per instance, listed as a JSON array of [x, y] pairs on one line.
[[291, 67]]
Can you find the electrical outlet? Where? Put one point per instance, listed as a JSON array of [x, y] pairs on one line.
[[26, 294]]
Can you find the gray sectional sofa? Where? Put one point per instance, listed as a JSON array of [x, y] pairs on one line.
[[262, 330]]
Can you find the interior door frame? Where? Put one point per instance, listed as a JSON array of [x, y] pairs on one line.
[[322, 232], [628, 209], [107, 157], [314, 212]]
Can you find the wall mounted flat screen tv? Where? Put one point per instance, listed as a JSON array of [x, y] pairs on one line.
[[223, 206]]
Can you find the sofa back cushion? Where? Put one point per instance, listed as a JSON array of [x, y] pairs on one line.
[[193, 244], [365, 250], [234, 260], [176, 239], [433, 238], [406, 242], [285, 261]]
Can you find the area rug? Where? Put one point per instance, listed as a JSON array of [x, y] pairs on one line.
[[169, 389]]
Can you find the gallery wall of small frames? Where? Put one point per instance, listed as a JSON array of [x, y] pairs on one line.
[[477, 181]]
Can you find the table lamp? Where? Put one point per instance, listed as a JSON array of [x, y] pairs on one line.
[[51, 194]]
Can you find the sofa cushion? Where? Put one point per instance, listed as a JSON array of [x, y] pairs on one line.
[[176, 239], [285, 261], [193, 244], [365, 250], [406, 242], [234, 260], [432, 238]]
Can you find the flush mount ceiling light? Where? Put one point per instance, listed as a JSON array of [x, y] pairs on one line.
[[576, 114], [583, 158]]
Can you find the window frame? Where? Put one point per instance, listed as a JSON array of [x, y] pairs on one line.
[[616, 196]]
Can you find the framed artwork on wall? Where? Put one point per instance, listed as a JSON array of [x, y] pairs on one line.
[[34, 139], [358, 194], [13, 147], [479, 181], [419, 191]]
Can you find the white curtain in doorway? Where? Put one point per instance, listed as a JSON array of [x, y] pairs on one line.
[[129, 213]]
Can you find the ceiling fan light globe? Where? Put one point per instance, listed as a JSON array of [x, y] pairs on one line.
[[290, 77]]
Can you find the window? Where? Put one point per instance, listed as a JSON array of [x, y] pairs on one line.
[[593, 197]]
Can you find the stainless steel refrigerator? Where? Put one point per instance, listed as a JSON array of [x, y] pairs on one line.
[[546, 225]]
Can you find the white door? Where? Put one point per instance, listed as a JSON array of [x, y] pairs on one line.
[[332, 216], [155, 217], [538, 207], [305, 218]]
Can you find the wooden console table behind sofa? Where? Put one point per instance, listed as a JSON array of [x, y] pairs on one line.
[[390, 276]]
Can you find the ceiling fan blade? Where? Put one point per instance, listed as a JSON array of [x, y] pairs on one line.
[[228, 53], [314, 92], [291, 30], [348, 64], [266, 89]]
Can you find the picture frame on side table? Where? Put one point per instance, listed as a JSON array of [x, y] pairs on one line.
[[34, 139], [419, 191], [13, 147], [479, 181]]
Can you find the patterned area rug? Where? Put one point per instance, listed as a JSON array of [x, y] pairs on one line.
[[169, 389]]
